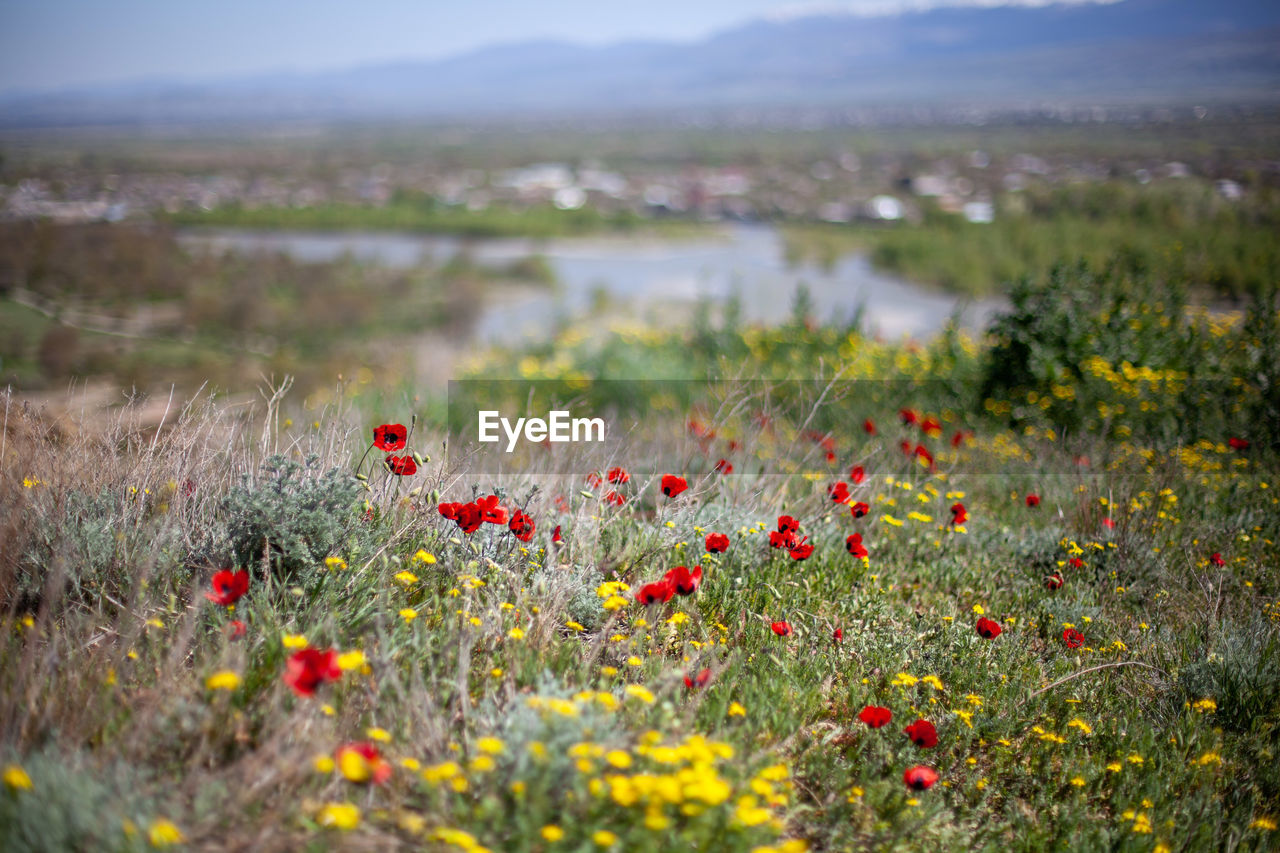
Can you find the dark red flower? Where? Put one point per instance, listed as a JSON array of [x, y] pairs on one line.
[[958, 514], [909, 417], [699, 680], [854, 545], [235, 629], [838, 635], [594, 479], [859, 509], [839, 492], [402, 466], [869, 426], [307, 669], [655, 593], [724, 466], [1237, 443], [673, 485], [788, 524], [1054, 581], [782, 628], [875, 716], [491, 510], [802, 550], [1076, 563], [469, 518], [922, 733], [361, 762], [555, 535], [449, 510], [857, 474], [390, 437], [618, 476], [988, 629], [717, 543], [734, 445], [1033, 501], [960, 438], [614, 498], [521, 525], [1216, 559], [683, 581], [920, 778], [228, 587], [782, 539], [906, 447], [1073, 638]]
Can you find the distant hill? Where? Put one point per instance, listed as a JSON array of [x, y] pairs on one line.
[[1130, 51]]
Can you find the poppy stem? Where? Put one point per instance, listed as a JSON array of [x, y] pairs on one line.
[[362, 458]]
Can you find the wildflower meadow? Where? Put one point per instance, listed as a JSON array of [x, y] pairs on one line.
[[1006, 591]]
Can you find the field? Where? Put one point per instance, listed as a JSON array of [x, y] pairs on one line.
[[1015, 593]]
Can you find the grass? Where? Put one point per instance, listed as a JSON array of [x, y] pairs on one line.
[[521, 699]]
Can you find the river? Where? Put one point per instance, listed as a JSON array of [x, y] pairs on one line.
[[648, 278]]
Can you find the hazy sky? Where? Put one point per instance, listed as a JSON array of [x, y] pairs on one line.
[[47, 44]]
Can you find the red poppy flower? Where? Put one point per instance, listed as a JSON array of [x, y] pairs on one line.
[[1033, 501], [1054, 581], [521, 525], [724, 466], [618, 476], [656, 592], [673, 485], [931, 427], [449, 510], [699, 680], [802, 550], [555, 535], [1108, 523], [734, 445], [854, 545], [683, 581], [614, 498], [717, 543], [490, 510], [875, 716], [1237, 443], [1073, 638], [838, 635], [869, 426], [922, 453], [839, 492], [1076, 563], [228, 587], [922, 733], [857, 474], [594, 479], [906, 447], [361, 762], [859, 509], [469, 518], [958, 514], [235, 629], [909, 417], [960, 437], [788, 524], [988, 629], [307, 669], [782, 628], [782, 539], [402, 466], [920, 778], [1216, 559], [390, 437], [562, 505]]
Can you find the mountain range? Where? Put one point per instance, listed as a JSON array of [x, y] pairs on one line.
[[1128, 52]]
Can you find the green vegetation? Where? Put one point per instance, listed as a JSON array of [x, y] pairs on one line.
[[1181, 232], [513, 695]]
